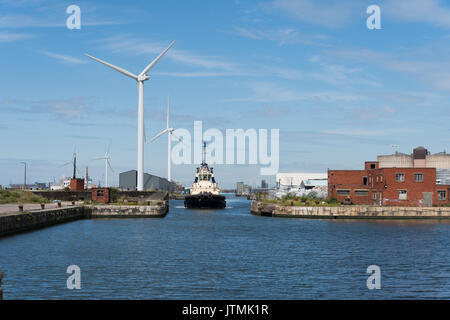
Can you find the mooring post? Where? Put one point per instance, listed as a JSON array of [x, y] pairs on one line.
[[20, 207]]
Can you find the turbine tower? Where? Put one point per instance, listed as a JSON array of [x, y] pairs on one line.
[[170, 133], [107, 164], [141, 78], [74, 163]]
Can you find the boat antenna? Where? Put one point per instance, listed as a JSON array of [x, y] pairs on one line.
[[204, 152]]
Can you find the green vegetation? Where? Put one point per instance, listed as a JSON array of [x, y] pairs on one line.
[[310, 201], [19, 196]]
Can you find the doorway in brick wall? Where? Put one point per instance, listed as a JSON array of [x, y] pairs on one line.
[[427, 199]]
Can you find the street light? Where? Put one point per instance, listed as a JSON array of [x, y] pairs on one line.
[[25, 176]]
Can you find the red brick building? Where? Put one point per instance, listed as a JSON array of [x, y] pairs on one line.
[[101, 195], [76, 184], [387, 186]]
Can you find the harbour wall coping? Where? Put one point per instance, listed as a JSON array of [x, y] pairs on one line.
[[115, 211], [65, 195], [31, 220], [26, 221], [349, 212]]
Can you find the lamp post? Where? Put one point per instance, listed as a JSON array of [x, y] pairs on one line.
[[25, 176]]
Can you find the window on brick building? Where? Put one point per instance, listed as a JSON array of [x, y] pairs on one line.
[[343, 192], [402, 195], [100, 193], [418, 177], [442, 195], [362, 193], [400, 177], [365, 181], [374, 195]]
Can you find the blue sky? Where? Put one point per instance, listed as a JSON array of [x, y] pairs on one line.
[[339, 93]]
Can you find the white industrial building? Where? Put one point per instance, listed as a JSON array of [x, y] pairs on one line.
[[420, 158], [301, 184], [295, 179]]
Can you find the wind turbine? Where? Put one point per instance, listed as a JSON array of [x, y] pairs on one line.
[[169, 131], [74, 163], [141, 78], [107, 163]]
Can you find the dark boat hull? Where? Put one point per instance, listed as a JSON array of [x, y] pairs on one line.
[[205, 201]]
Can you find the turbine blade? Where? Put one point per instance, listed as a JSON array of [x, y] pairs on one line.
[[158, 135], [102, 158], [178, 138], [66, 164], [147, 68], [109, 164], [122, 71]]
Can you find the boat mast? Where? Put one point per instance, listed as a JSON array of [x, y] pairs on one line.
[[204, 152]]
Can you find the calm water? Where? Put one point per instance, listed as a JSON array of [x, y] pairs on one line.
[[228, 254]]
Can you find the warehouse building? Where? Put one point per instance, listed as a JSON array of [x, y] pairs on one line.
[[420, 157], [397, 180], [128, 181]]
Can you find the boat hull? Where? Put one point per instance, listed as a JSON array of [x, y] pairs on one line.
[[205, 201]]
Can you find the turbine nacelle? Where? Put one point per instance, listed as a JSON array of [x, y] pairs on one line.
[[143, 77]]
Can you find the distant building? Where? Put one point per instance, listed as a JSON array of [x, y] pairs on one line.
[[101, 195], [243, 189], [294, 180], [77, 184], [34, 186], [128, 181], [312, 183], [240, 188], [408, 182], [264, 184]]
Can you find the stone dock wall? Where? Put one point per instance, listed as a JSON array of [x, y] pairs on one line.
[[113, 211], [350, 212], [27, 221]]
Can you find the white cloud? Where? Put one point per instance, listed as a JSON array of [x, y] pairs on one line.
[[435, 73], [268, 92], [429, 11], [26, 21], [202, 74], [134, 46], [281, 36], [10, 37], [62, 108], [64, 58], [356, 132], [323, 13]]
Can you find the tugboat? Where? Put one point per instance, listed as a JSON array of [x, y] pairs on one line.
[[204, 192]]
